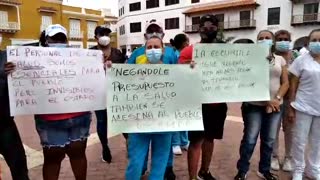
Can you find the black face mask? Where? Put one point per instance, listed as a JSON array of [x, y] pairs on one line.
[[209, 36]]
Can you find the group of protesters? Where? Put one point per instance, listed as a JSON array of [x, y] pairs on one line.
[[294, 88]]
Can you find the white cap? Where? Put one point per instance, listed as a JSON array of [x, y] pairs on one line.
[[55, 29], [153, 22]]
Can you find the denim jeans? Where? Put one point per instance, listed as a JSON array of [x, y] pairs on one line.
[[169, 164], [102, 127], [257, 121], [180, 138], [138, 146], [12, 150]]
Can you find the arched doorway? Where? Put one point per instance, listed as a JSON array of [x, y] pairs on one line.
[[299, 43], [243, 41]]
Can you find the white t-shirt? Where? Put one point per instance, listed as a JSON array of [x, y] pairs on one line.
[[308, 93], [275, 78], [303, 51]]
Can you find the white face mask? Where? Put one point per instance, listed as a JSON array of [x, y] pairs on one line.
[[104, 40]]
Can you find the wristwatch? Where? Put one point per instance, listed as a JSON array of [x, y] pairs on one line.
[[278, 97]]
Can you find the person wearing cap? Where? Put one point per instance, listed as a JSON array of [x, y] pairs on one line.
[[110, 54], [214, 115], [11, 146], [62, 134], [138, 56]]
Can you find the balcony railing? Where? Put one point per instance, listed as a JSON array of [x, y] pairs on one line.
[[305, 19], [13, 2], [192, 28], [242, 24], [9, 26], [228, 25], [76, 34]]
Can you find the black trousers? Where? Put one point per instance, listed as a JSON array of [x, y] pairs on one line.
[[12, 149]]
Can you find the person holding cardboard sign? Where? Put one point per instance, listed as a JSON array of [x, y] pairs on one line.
[[63, 134], [214, 115], [138, 143], [263, 117]]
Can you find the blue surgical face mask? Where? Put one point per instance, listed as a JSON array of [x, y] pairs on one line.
[[268, 42], [283, 46], [154, 55], [314, 47], [58, 45]]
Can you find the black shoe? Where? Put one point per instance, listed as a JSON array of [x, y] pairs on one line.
[[106, 155], [205, 175], [240, 176], [267, 176], [169, 175]]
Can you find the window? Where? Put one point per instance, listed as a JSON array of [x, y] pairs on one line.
[[172, 23], [122, 30], [135, 27], [195, 1], [135, 6], [171, 2], [195, 20], [310, 12], [220, 18], [75, 28], [245, 17], [119, 13], [91, 26], [45, 22], [312, 8], [274, 16], [122, 10], [4, 19], [152, 4]]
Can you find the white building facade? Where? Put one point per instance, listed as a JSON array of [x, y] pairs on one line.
[[241, 20]]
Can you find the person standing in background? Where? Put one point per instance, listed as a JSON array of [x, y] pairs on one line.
[[180, 139], [109, 54], [283, 40], [11, 146]]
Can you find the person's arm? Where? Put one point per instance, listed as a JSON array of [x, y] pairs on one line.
[[133, 57], [284, 82]]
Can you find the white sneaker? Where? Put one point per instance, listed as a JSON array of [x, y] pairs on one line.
[[287, 165], [176, 150], [275, 165], [185, 148], [297, 176]]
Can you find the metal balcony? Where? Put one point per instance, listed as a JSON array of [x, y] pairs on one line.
[[10, 2], [305, 19], [242, 24], [10, 27], [228, 25]]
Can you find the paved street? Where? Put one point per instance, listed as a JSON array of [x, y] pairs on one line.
[[223, 164]]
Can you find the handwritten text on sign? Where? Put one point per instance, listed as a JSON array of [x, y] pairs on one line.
[[233, 73], [153, 98], [55, 80]]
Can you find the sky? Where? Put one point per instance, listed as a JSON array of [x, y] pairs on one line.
[[95, 4]]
